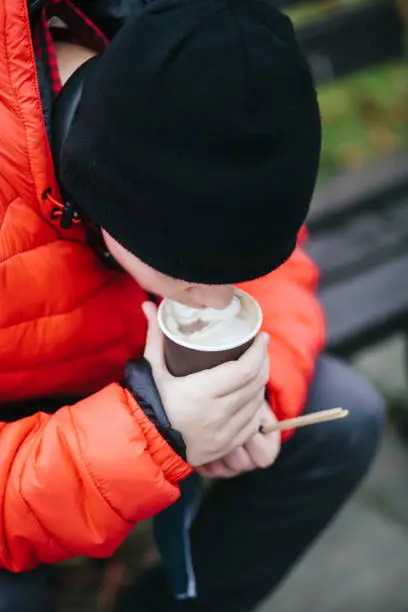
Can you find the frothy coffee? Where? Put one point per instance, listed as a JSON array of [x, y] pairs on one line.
[[209, 327]]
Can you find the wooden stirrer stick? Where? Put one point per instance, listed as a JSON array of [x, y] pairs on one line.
[[307, 419]]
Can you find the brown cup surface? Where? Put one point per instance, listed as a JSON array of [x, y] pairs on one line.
[[182, 361]]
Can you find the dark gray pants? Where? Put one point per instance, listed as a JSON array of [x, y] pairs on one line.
[[251, 530]]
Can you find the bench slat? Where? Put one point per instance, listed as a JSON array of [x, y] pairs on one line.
[[375, 183], [367, 307], [357, 243], [339, 45]]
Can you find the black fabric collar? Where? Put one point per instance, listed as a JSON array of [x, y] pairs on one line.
[[46, 98], [34, 6]]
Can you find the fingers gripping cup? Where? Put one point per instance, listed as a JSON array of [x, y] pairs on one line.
[[199, 339]]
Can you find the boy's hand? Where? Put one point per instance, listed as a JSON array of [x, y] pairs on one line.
[[260, 451], [218, 410]]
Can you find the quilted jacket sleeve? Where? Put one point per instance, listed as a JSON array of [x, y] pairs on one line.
[[75, 483], [294, 319]]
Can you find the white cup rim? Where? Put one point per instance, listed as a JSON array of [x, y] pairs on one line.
[[212, 349]]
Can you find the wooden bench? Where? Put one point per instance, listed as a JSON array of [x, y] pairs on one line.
[[347, 37], [359, 220], [359, 238]]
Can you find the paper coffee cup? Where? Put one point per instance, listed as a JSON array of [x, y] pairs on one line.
[[183, 358]]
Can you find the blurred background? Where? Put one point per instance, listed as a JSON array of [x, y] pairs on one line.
[[359, 236], [356, 49]]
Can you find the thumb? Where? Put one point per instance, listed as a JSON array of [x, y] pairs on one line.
[[154, 348]]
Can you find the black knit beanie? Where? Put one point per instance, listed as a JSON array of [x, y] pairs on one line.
[[197, 139]]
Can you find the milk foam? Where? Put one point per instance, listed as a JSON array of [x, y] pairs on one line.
[[209, 327]]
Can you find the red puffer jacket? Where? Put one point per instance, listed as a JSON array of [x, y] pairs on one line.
[[76, 482]]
